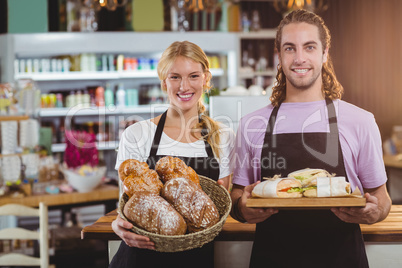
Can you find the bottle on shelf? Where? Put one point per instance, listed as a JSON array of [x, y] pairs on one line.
[[86, 99], [120, 63], [251, 60], [255, 21], [111, 63], [132, 97], [121, 96], [155, 95], [59, 100], [73, 7], [174, 21], [78, 97], [71, 100], [100, 97], [183, 24], [109, 95], [233, 14], [52, 100], [245, 22]]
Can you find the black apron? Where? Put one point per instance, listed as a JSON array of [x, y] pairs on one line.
[[305, 238], [200, 257]]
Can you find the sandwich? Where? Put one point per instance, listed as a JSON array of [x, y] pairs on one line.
[[278, 187], [308, 177], [327, 187]]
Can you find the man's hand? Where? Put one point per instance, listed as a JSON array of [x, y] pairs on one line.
[[122, 229], [251, 215], [377, 208]]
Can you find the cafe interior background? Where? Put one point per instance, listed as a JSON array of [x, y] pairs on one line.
[[86, 68]]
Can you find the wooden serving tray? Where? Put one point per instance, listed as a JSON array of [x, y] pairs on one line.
[[307, 202]]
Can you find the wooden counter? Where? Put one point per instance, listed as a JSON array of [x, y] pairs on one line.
[[102, 194], [389, 230], [393, 161]]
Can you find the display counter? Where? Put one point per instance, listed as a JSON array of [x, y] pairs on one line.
[[393, 165], [233, 245], [107, 195]]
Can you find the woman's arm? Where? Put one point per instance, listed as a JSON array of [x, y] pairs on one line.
[[122, 229], [225, 182], [131, 147]]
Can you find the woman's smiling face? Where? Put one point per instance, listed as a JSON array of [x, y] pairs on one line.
[[184, 83]]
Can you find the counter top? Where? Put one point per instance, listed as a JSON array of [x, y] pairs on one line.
[[393, 161], [389, 230], [99, 195]]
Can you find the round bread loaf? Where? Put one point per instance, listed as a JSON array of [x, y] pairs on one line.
[[154, 214], [198, 210], [170, 167], [132, 167], [147, 181]]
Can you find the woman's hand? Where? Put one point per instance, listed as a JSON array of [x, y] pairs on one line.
[[224, 182], [122, 229]]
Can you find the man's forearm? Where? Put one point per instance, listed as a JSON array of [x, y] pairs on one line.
[[384, 201], [236, 195]]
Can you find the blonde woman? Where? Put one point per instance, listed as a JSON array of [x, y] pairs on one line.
[[183, 131]]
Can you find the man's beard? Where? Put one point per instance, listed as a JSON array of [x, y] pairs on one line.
[[303, 85]]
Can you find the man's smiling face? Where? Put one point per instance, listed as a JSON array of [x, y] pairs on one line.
[[302, 55]]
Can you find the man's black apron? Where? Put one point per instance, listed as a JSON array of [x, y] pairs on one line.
[[200, 257], [305, 238]]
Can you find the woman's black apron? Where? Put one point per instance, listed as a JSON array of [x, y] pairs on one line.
[[305, 238], [200, 257]]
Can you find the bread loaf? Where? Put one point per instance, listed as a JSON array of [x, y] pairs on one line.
[[154, 214], [148, 181], [137, 176], [132, 167], [198, 210], [170, 167]]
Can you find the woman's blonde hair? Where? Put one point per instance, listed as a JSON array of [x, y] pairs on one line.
[[332, 89], [192, 51]]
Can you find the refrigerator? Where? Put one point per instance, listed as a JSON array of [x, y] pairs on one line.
[[230, 109]]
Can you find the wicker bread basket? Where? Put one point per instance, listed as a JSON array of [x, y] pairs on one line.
[[174, 243]]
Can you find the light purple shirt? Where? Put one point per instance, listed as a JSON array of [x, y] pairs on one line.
[[358, 134]]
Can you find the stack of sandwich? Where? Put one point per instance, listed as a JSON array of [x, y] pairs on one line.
[[306, 182]]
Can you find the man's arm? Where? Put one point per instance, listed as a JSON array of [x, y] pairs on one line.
[[378, 205], [241, 212]]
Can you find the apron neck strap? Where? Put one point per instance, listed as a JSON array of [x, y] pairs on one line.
[[159, 131], [333, 123], [158, 134]]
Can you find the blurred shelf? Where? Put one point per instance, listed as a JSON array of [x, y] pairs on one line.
[[101, 111], [262, 34], [13, 117], [73, 76], [101, 146], [252, 74]]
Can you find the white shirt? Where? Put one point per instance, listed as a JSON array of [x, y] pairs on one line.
[[136, 142]]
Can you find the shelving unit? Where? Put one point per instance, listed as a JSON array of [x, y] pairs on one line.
[[75, 76], [256, 37], [101, 146], [13, 118], [141, 44], [102, 111], [66, 43]]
